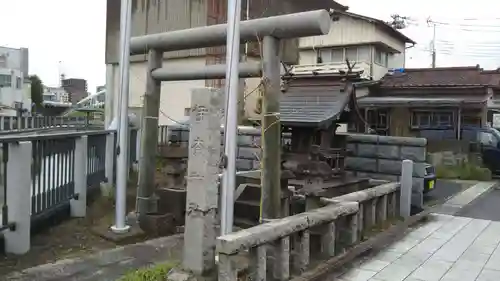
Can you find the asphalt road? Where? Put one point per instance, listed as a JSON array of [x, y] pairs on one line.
[[443, 190], [486, 207]]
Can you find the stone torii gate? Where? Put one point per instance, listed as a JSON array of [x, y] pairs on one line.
[[200, 256]]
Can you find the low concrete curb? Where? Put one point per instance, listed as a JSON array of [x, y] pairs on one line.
[[107, 265], [464, 198]]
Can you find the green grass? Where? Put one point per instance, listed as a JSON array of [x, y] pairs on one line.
[[463, 171], [154, 273]]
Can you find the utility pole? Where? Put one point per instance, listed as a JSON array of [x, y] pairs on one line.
[[123, 131], [433, 43], [231, 115], [434, 47]]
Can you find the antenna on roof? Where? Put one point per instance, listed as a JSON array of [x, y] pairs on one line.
[[400, 22]]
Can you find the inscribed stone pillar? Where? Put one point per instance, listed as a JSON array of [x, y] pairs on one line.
[[202, 179]]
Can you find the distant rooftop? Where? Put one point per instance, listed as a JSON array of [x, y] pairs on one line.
[[379, 23], [440, 77]]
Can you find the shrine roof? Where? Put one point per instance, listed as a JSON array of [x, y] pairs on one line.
[[317, 104]]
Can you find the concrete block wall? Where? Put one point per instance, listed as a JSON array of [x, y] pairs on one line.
[[249, 151], [380, 157], [376, 157]]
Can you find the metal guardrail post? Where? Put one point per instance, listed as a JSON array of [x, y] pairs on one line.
[[19, 197], [110, 158], [137, 149], [79, 204]]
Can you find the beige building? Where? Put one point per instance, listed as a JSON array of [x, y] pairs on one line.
[[152, 16], [372, 44]]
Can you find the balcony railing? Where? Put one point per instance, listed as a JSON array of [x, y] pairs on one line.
[[364, 68]]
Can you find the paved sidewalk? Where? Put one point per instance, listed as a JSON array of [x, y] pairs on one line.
[[446, 248]]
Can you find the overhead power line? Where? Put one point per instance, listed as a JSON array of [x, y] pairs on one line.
[[464, 25], [462, 53], [474, 43]]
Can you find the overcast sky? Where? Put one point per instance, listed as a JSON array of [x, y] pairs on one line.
[[72, 32], [467, 33], [69, 31]]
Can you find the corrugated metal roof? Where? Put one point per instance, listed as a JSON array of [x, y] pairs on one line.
[[424, 100], [313, 105]]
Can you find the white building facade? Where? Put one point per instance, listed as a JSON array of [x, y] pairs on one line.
[[56, 96], [372, 44], [14, 82]]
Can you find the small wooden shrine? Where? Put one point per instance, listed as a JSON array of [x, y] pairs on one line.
[[311, 109]]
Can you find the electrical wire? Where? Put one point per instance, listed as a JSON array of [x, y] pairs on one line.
[[462, 53], [462, 25]]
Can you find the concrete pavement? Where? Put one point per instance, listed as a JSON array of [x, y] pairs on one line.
[[446, 248]]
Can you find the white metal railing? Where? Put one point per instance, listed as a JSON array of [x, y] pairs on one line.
[[331, 68], [16, 123]]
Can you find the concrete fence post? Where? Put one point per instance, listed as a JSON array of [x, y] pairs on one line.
[[78, 206], [406, 188], [18, 197], [11, 123]]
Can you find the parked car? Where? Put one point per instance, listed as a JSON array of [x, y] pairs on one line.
[[486, 141], [429, 178]]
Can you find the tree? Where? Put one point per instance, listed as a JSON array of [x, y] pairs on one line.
[[36, 90]]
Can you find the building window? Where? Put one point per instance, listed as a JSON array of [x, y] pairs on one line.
[[3, 61], [431, 119], [325, 55], [470, 120], [378, 119], [444, 119], [187, 111], [364, 53], [351, 54], [381, 57], [5, 81], [19, 83], [339, 55]]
